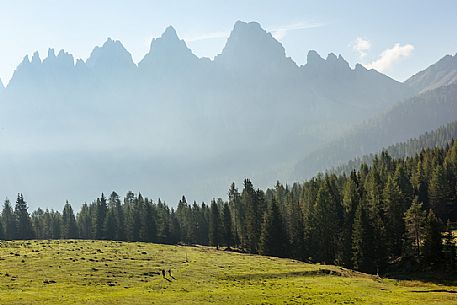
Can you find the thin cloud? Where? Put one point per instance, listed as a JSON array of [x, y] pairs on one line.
[[205, 36], [278, 32], [281, 31], [361, 46], [390, 56]]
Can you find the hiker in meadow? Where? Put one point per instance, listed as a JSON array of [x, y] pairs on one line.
[[163, 273], [169, 272]]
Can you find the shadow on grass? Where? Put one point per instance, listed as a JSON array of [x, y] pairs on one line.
[[310, 273], [446, 279], [435, 290]]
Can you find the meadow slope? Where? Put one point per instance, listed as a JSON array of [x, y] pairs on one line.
[[105, 272]]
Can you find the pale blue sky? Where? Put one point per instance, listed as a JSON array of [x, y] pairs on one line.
[[423, 30]]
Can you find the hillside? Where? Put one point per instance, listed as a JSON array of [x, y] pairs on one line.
[[436, 138], [103, 272], [408, 119]]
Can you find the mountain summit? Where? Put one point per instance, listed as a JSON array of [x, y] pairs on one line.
[[443, 72], [110, 57], [167, 52], [250, 46]]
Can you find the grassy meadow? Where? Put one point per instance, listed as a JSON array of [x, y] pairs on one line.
[[105, 272]]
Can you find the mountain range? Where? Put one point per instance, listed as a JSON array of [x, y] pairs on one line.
[[177, 124]]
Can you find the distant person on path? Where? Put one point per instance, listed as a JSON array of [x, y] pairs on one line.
[[163, 273], [169, 273]]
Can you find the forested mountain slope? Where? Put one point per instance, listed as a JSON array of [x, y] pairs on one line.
[[409, 119], [436, 138]]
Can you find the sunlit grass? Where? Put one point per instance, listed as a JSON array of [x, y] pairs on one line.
[[100, 272]]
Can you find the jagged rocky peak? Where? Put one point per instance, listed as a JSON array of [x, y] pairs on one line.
[[250, 45], [167, 49], [170, 34], [51, 53], [249, 38], [314, 59], [339, 61], [331, 58], [360, 68], [27, 70], [342, 62], [62, 59], [36, 60], [111, 55], [26, 62]]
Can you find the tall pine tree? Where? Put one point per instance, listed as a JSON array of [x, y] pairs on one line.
[[414, 219], [69, 229], [9, 221], [273, 238], [23, 221], [215, 227]]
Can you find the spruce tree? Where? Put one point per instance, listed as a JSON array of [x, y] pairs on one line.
[[215, 227], [184, 215], [172, 227], [393, 215], [109, 226], [101, 208], [56, 224], [250, 200], [149, 225], [115, 206], [163, 223], [373, 191], [227, 221], [350, 204], [129, 216], [84, 221], [295, 232], [23, 221], [70, 229], [415, 218], [362, 242], [325, 225], [439, 192], [9, 221], [433, 248], [237, 212], [272, 238], [404, 185]]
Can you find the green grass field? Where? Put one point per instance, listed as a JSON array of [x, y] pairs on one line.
[[98, 272]]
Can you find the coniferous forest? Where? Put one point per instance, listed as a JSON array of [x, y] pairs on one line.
[[396, 214]]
